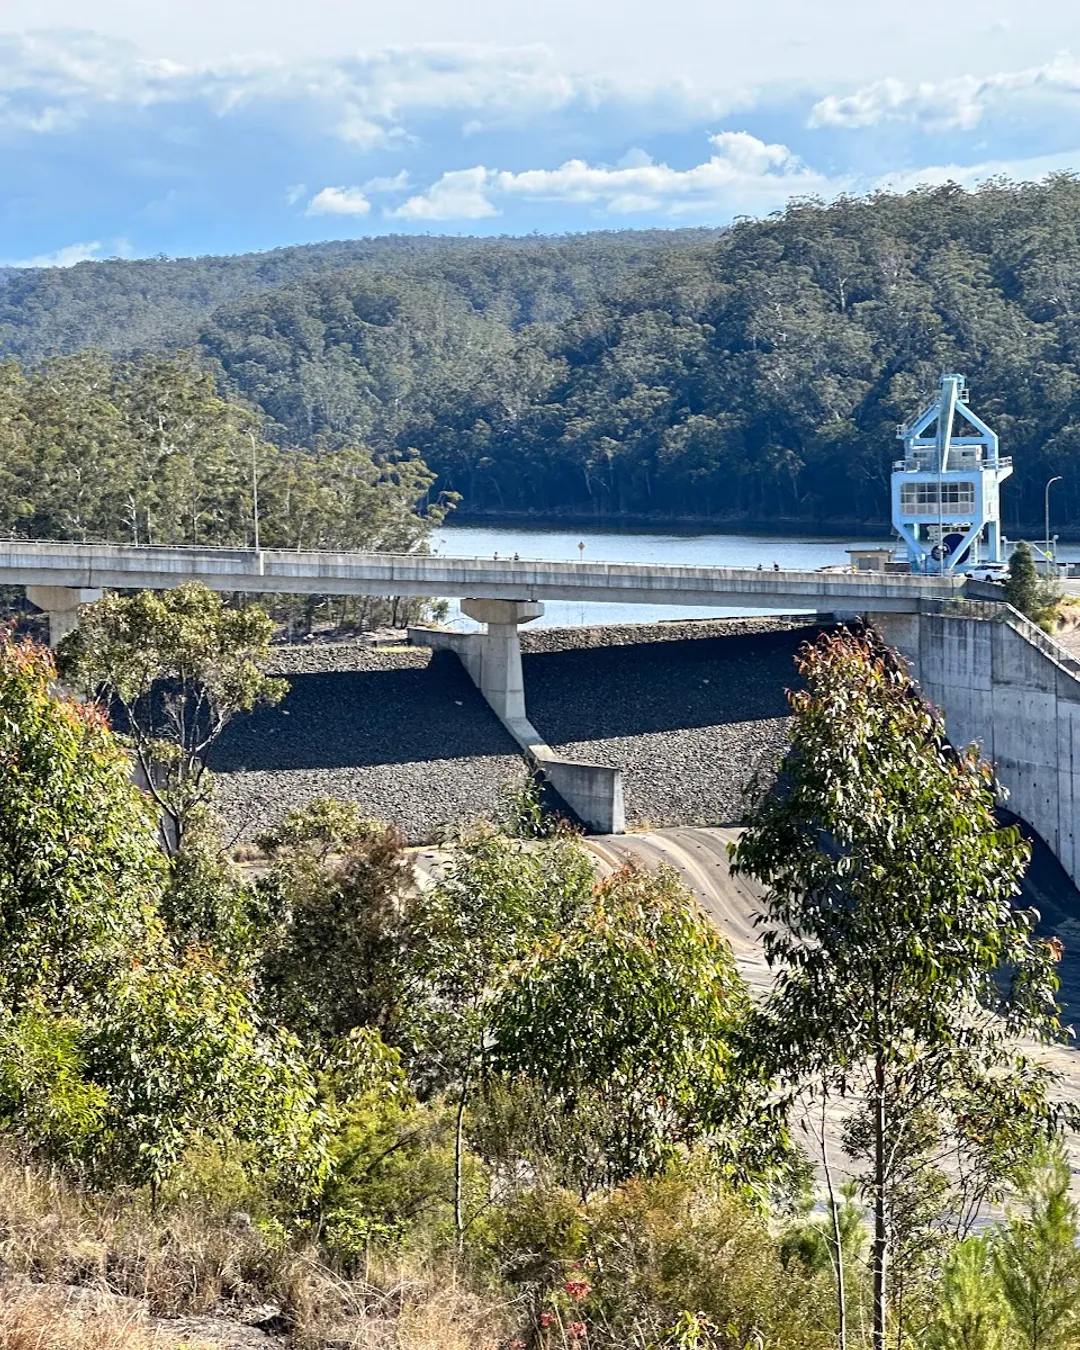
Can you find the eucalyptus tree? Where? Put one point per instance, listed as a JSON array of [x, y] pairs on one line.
[[116, 1051], [903, 967], [629, 1023], [494, 899], [178, 666]]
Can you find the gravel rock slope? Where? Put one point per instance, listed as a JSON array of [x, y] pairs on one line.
[[403, 732], [689, 711]]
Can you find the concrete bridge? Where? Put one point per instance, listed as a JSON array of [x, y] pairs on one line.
[[999, 679], [74, 573]]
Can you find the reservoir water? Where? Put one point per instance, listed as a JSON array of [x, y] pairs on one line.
[[673, 547], [677, 549]]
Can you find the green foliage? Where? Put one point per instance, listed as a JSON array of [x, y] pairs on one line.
[[181, 1054], [134, 304], [178, 665], [114, 1053], [971, 1312], [630, 1264], [206, 902], [887, 917], [523, 815], [824, 1244], [626, 1021], [333, 900], [755, 372], [392, 1181], [493, 900], [79, 866], [1022, 587], [149, 452], [45, 1098], [1027, 592], [1038, 1260]]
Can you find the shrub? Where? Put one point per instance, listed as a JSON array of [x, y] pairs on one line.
[[630, 1263]]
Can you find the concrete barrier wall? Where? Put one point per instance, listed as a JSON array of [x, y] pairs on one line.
[[1004, 684]]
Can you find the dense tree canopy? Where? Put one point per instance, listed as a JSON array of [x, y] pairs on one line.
[[149, 452], [128, 305], [756, 373], [115, 1050]]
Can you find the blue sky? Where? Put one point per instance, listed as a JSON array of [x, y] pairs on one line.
[[219, 126]]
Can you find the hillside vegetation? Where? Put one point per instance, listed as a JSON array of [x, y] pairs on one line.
[[757, 373], [125, 305], [515, 1107]]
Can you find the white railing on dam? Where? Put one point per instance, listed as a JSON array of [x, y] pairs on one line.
[[90, 566]]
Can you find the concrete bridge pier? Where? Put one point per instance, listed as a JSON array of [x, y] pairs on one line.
[[594, 792], [493, 659], [61, 604]]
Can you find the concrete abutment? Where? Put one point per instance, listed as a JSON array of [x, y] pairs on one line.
[[1001, 682]]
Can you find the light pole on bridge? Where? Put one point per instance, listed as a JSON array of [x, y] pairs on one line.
[[1046, 504]]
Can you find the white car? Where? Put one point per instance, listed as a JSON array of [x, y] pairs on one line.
[[990, 572]]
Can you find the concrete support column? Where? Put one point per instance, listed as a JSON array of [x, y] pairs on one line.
[[61, 604], [497, 653]]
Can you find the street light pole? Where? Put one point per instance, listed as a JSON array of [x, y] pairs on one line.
[[1046, 502], [254, 491]]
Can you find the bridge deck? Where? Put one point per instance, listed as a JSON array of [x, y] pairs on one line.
[[285, 571]]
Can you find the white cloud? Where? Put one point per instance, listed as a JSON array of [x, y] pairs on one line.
[[743, 174], [1026, 170], [50, 81], [296, 193], [458, 195], [959, 103], [398, 183], [339, 201], [63, 257]]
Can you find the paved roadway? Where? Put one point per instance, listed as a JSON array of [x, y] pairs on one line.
[[700, 856]]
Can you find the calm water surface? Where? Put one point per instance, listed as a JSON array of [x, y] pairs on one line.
[[637, 546], [678, 548]]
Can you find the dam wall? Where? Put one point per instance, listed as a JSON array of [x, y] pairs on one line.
[[688, 712], [1003, 683]]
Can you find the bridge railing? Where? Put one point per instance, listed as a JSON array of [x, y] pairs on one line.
[[1001, 612]]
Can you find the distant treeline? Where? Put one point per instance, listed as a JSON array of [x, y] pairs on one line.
[[755, 373]]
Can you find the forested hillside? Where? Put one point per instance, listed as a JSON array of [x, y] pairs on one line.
[[759, 375], [754, 374], [125, 305]]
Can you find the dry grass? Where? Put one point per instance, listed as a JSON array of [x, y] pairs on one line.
[[189, 1262], [38, 1319]]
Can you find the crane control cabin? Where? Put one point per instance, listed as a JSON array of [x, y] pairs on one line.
[[946, 490]]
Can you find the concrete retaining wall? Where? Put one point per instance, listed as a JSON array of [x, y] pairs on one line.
[[1001, 682]]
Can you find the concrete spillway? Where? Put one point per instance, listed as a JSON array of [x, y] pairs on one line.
[[700, 856]]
